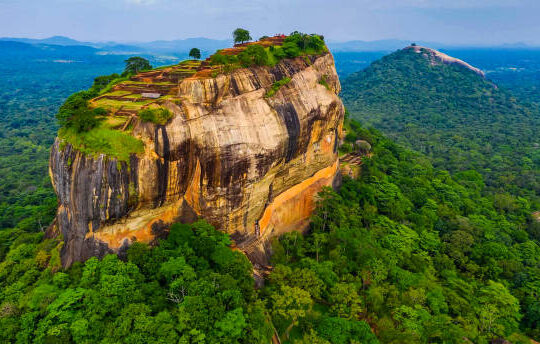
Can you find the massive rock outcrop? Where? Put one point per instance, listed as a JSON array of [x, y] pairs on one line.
[[436, 57], [248, 163]]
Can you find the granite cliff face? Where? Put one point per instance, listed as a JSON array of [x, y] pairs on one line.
[[248, 163]]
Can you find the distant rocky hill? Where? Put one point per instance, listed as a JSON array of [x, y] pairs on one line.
[[436, 57], [447, 109]]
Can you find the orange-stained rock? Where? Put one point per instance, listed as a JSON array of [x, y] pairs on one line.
[[292, 208], [249, 164]]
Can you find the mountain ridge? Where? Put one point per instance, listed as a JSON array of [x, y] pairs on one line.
[[419, 104], [212, 44]]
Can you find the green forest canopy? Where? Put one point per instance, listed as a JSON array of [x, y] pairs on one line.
[[405, 254]]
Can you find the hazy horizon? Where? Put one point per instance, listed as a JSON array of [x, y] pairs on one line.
[[460, 22], [331, 41]]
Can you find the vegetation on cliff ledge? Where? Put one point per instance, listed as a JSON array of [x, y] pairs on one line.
[[269, 51], [92, 131], [276, 86], [104, 139], [157, 116]]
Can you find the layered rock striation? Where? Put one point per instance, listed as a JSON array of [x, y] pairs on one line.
[[248, 163]]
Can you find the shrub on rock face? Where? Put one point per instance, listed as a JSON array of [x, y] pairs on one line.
[[324, 82], [103, 81], [76, 114], [277, 85], [290, 49], [226, 62], [278, 52], [253, 55], [304, 42], [85, 119], [75, 102], [218, 59], [315, 42], [157, 116]]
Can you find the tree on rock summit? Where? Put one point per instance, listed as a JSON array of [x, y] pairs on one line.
[[241, 36], [136, 64], [195, 53]]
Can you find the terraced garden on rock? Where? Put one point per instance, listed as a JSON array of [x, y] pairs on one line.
[[116, 105], [121, 102], [150, 89], [145, 90]]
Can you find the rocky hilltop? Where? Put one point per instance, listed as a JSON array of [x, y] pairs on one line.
[[436, 57], [247, 150]]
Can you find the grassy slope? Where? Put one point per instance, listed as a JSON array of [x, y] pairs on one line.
[[104, 139]]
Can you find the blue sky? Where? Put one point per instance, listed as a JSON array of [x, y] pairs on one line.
[[446, 21]]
